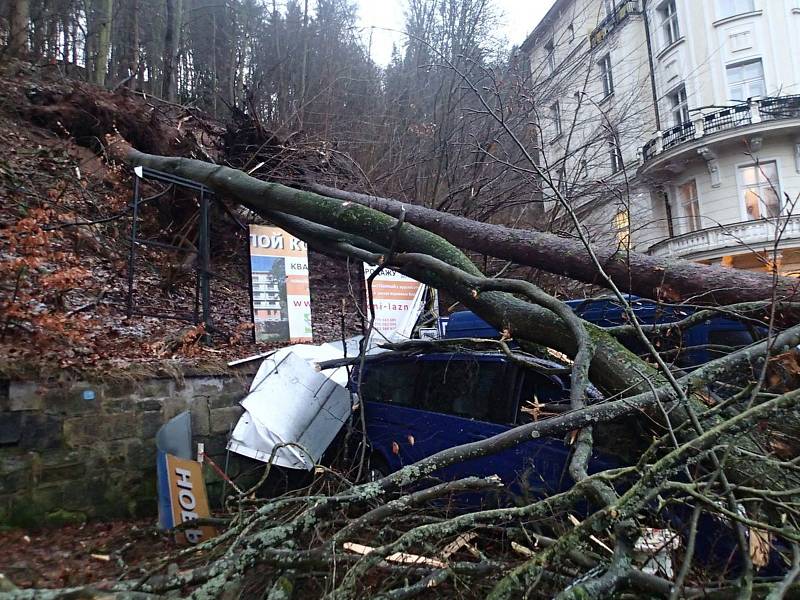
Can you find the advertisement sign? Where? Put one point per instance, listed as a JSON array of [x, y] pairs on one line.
[[182, 479], [398, 302], [281, 299]]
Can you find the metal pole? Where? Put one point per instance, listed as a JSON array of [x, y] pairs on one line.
[[132, 254], [196, 296], [204, 261], [250, 288]]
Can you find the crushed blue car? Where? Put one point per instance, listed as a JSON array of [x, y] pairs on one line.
[[422, 404], [418, 406]]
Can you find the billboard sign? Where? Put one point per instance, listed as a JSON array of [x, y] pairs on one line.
[[281, 297], [398, 303], [181, 481]]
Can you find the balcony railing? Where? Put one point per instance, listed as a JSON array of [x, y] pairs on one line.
[[746, 233], [621, 12], [782, 107], [746, 113]]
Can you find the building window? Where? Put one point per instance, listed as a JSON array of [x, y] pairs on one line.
[[729, 8], [679, 106], [606, 76], [746, 80], [689, 207], [761, 190], [615, 155], [555, 116], [669, 22], [550, 49], [622, 228]]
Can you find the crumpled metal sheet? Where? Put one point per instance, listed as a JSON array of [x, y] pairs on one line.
[[293, 410]]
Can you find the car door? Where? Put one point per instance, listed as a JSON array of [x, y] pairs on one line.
[[469, 398], [417, 407]]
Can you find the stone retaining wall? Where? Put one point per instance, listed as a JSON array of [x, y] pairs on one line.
[[71, 451]]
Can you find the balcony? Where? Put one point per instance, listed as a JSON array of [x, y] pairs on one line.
[[753, 112], [716, 241], [612, 21]]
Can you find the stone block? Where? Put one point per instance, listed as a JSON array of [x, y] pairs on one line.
[[80, 495], [117, 405], [24, 395], [10, 428], [140, 455], [151, 423], [80, 398], [12, 482], [91, 429], [16, 470], [154, 388], [173, 406], [149, 405], [223, 419], [201, 417], [22, 510], [62, 472], [204, 386], [111, 454], [232, 392], [41, 431], [119, 388]]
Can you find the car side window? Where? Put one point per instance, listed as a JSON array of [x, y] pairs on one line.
[[465, 388], [540, 397], [390, 382]]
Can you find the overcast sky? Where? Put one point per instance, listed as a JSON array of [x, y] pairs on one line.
[[519, 19]]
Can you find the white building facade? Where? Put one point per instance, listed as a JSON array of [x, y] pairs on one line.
[[705, 107]]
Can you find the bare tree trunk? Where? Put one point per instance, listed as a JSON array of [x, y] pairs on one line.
[[20, 27], [103, 31], [172, 32], [65, 49], [134, 66], [304, 68], [73, 34]]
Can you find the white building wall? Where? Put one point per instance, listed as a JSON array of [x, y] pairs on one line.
[[707, 45], [725, 204], [581, 154]]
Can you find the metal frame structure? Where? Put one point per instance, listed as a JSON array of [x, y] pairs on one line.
[[203, 273]]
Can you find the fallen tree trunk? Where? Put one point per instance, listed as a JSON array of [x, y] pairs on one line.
[[327, 221], [614, 368], [665, 279]]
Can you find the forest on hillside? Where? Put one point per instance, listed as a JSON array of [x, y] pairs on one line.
[[415, 129]]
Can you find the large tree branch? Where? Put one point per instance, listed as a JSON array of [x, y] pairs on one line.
[[636, 273]]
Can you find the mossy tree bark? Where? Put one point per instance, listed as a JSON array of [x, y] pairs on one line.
[[648, 276]]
